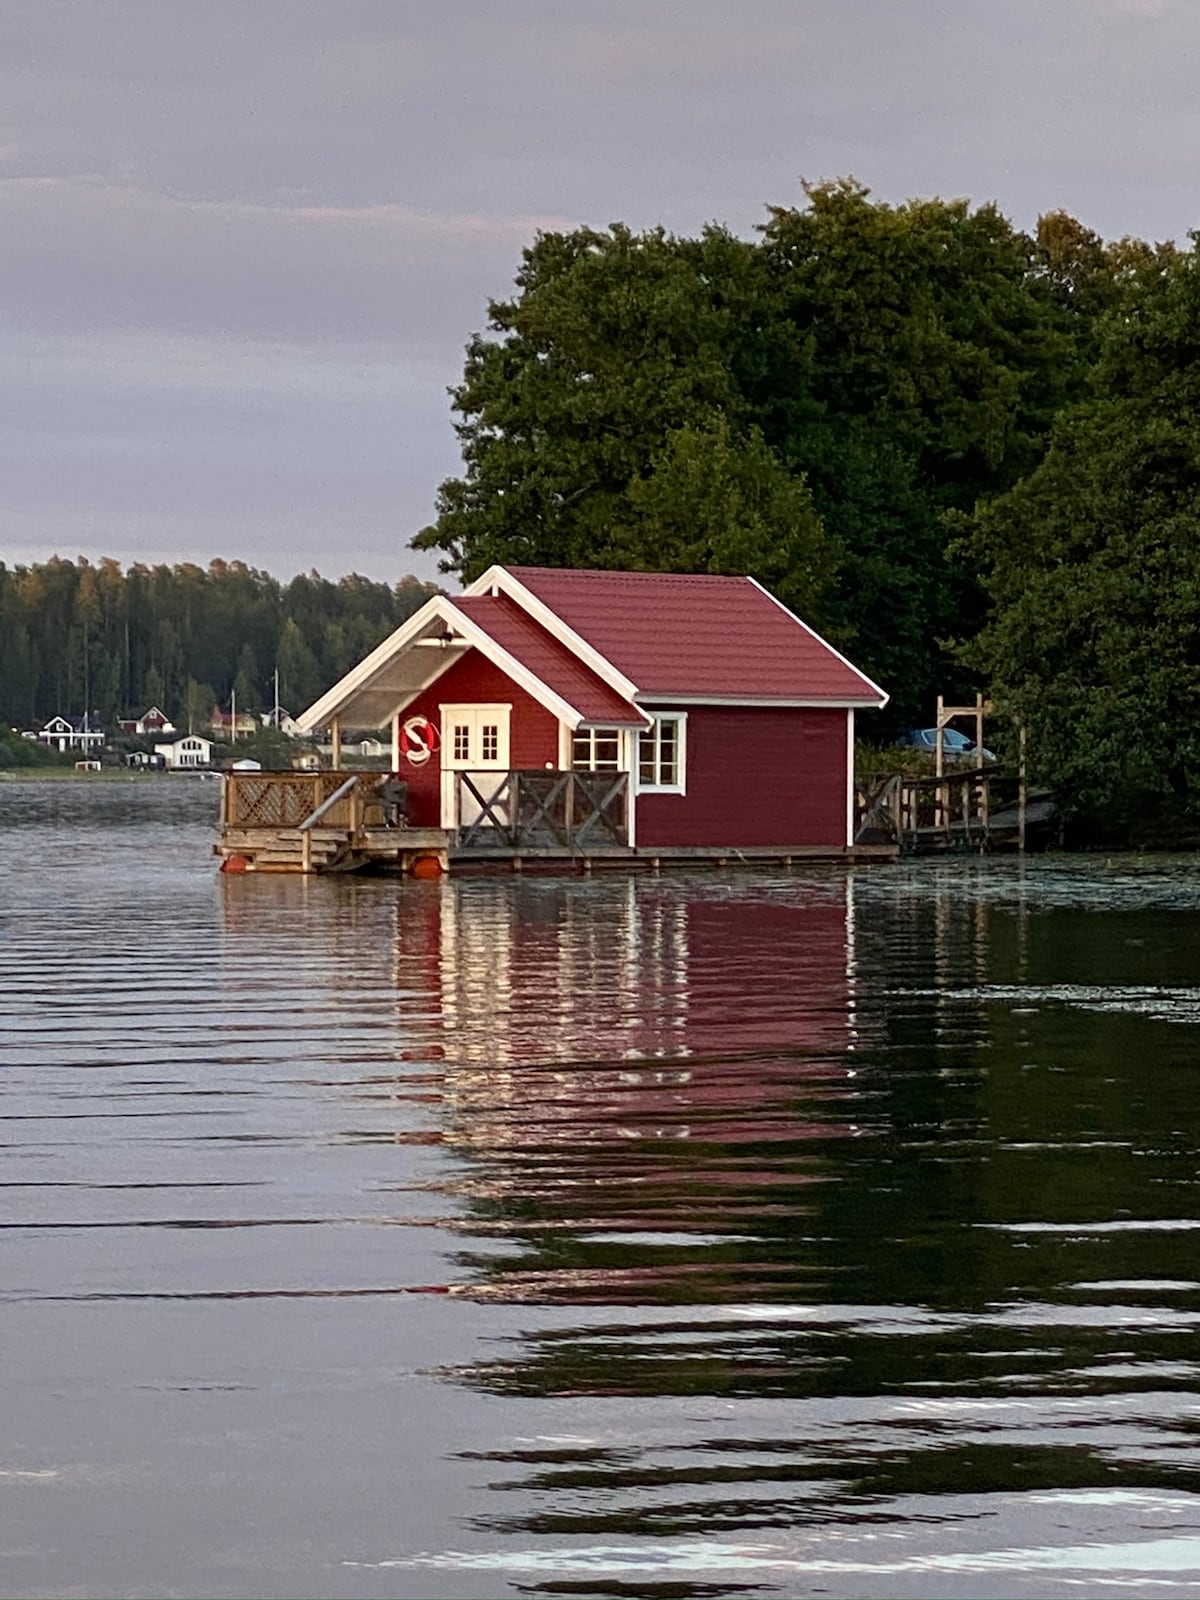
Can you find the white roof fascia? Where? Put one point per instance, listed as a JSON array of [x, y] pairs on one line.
[[516, 670], [323, 711], [440, 607], [781, 703], [884, 697], [502, 579]]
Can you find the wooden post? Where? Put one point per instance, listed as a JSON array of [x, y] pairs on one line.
[[335, 739], [306, 850], [1022, 789], [942, 806], [985, 806], [355, 813]]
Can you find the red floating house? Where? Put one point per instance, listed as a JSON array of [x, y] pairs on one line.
[[548, 711]]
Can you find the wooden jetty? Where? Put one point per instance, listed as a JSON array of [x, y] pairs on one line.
[[980, 810], [337, 821]]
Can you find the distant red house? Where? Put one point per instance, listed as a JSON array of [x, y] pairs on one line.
[[151, 721], [721, 719]]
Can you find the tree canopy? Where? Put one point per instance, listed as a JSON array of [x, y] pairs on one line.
[[806, 407], [1093, 566]]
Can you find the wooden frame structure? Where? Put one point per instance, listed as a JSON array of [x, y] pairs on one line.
[[334, 821], [538, 808]]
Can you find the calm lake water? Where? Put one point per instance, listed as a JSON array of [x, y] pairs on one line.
[[710, 1234]]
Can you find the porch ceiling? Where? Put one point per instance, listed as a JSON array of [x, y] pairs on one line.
[[372, 701]]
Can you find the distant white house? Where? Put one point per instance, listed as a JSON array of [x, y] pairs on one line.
[[82, 736], [284, 721], [188, 752]]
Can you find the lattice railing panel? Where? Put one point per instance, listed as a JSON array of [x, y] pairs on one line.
[[277, 799]]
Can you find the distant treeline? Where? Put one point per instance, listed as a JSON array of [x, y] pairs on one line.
[[77, 636]]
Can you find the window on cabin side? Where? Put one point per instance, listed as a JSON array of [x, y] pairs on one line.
[[660, 755]]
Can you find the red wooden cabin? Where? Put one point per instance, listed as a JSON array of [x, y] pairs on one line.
[[624, 711]]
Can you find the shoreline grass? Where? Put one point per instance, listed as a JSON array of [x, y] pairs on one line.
[[68, 775]]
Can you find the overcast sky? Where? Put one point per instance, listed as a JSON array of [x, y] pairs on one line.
[[245, 241]]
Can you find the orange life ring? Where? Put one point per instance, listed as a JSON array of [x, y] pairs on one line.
[[419, 738]]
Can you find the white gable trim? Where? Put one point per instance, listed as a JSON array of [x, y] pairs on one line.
[[498, 580], [440, 608], [883, 695]]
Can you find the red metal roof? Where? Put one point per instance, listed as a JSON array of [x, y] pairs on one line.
[[697, 635], [550, 662]]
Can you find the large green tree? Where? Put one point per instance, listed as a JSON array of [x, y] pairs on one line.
[[806, 407], [603, 424], [1093, 564]]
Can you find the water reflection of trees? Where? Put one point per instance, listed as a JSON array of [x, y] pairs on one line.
[[763, 1159], [782, 1181]]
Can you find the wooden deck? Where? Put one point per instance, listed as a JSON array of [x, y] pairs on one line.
[[317, 822], [334, 821]]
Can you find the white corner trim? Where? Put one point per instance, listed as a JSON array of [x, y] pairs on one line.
[[849, 778], [500, 580], [884, 697]]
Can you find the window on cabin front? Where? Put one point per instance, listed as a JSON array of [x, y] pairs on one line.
[[462, 741], [596, 750], [660, 755], [489, 742]]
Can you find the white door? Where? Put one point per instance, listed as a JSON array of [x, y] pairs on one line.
[[474, 740]]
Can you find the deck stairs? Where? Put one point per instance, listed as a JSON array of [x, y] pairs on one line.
[[283, 851]]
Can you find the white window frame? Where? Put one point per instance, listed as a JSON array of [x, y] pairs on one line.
[[592, 734], [679, 718]]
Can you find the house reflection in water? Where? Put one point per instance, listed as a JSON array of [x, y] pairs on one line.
[[633, 1067]]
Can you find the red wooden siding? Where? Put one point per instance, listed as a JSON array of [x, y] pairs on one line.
[[474, 680], [755, 776]]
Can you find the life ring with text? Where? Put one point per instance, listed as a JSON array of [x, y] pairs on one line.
[[419, 738]]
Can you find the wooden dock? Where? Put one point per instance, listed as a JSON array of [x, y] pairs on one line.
[[318, 822], [978, 811], [335, 821]]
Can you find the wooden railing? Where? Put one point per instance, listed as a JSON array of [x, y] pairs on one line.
[[966, 807], [290, 799], [542, 808]]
